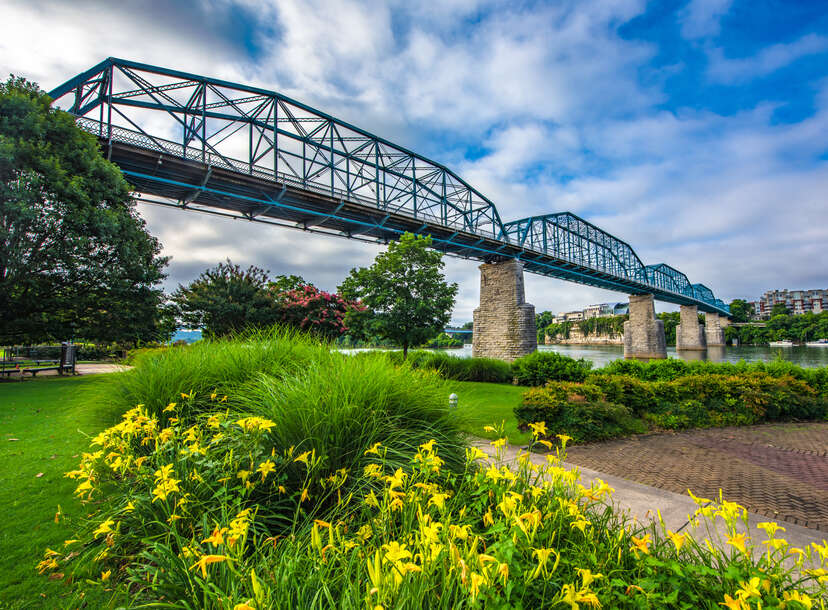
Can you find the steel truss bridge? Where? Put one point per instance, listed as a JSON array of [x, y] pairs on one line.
[[204, 144]]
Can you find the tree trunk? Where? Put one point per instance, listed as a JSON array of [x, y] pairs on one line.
[[405, 350]]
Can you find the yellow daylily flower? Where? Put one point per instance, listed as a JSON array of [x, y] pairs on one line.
[[206, 560]]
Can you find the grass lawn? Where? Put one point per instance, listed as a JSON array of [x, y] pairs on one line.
[[44, 426], [481, 404]]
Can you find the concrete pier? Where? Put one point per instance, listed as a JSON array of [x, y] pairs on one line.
[[643, 332], [504, 324], [690, 333], [713, 330]]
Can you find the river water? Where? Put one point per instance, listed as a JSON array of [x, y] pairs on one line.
[[602, 354]]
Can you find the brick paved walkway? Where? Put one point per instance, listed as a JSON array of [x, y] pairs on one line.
[[776, 470]]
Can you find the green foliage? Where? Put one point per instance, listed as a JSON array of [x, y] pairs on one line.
[[542, 321], [605, 325], [226, 299], [671, 319], [800, 327], [740, 310], [579, 410], [779, 309], [462, 369], [443, 341], [539, 367], [76, 259], [561, 330], [405, 290]]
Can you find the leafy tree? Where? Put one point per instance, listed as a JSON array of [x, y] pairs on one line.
[[779, 309], [542, 320], [75, 257], [226, 299], [283, 283], [740, 310], [406, 291]]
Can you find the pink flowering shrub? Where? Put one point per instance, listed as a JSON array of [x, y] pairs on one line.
[[315, 311]]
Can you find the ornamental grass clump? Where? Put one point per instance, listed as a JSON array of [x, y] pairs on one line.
[[423, 536]]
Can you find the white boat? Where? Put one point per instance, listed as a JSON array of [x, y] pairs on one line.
[[785, 343], [818, 343]]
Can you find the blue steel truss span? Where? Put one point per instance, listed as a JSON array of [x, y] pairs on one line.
[[222, 148]]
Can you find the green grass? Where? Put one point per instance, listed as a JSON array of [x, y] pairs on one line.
[[481, 404], [50, 424]]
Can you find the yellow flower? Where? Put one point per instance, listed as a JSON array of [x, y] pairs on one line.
[[213, 396], [501, 442], [749, 589], [580, 523], [503, 572], [394, 551], [738, 541], [105, 575], [428, 447], [244, 605], [303, 457], [129, 507], [475, 580], [588, 577], [217, 537], [733, 603], [539, 429], [104, 528], [170, 407], [489, 429], [796, 596], [266, 468], [206, 560], [186, 396], [564, 438], [373, 449], [543, 558], [641, 544], [676, 539], [305, 495]]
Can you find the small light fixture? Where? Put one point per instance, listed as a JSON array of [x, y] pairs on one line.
[[452, 401]]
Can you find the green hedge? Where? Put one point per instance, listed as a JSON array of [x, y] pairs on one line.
[[452, 367], [537, 368], [606, 406]]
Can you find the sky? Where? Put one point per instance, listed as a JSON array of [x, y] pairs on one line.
[[696, 131]]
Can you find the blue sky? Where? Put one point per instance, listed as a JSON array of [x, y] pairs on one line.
[[697, 131]]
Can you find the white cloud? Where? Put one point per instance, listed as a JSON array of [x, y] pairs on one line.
[[702, 18], [552, 96], [770, 59]]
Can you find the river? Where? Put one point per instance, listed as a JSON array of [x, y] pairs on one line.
[[602, 354]]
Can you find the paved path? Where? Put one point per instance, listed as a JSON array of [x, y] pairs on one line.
[[84, 369], [641, 502], [779, 471]]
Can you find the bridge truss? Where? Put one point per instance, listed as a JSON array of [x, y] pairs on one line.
[[205, 144]]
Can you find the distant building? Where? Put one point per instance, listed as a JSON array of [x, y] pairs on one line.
[[601, 310], [796, 301]]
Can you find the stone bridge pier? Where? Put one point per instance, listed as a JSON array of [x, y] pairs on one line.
[[643, 332], [714, 329], [690, 334], [504, 324]]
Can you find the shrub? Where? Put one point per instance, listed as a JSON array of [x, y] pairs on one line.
[[635, 394], [537, 368], [577, 410]]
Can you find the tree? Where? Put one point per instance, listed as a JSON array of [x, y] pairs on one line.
[[405, 290], [542, 320], [225, 300], [75, 257], [740, 310], [315, 311], [779, 309]]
